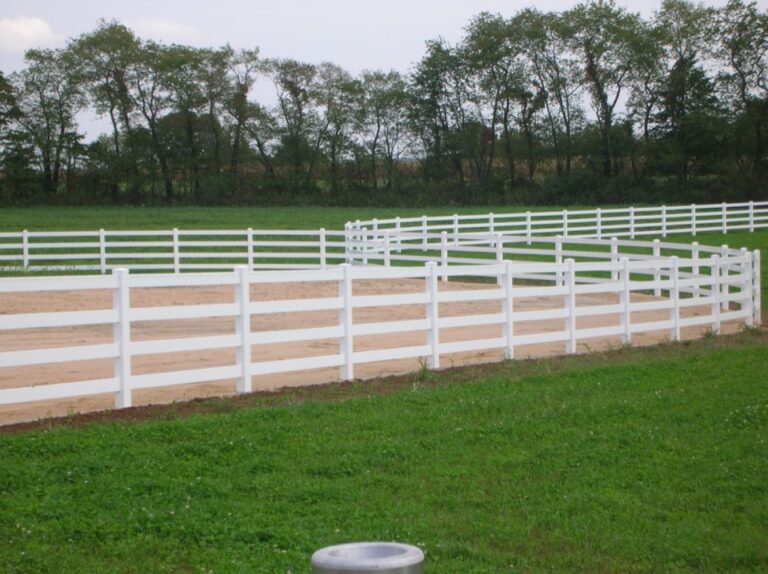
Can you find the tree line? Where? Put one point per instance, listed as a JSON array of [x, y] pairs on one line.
[[593, 104]]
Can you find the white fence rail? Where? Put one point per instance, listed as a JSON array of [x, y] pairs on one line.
[[172, 250], [721, 284]]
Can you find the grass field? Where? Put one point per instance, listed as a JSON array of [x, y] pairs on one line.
[[638, 460]]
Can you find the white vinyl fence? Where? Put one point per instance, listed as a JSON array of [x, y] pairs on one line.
[[172, 250], [722, 284], [211, 250], [631, 222]]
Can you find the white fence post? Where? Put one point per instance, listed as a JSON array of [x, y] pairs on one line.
[[121, 333], [347, 371], [565, 223], [631, 222], [364, 244], [444, 254], [176, 258], [25, 249], [347, 234], [751, 216], [499, 254], [693, 219], [509, 324], [491, 224], [675, 296], [724, 279], [746, 285], [243, 328], [249, 242], [424, 230], [102, 251], [528, 226], [695, 267], [725, 218], [663, 220], [599, 222], [323, 249], [455, 223], [614, 257], [387, 249], [625, 301], [559, 260], [570, 298], [656, 267], [756, 288], [715, 292], [432, 316]]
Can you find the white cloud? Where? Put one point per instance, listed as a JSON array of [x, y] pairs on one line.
[[24, 32], [165, 30]]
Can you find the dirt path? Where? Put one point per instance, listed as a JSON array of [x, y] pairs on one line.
[[166, 362]]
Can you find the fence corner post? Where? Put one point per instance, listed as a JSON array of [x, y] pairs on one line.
[[121, 303]]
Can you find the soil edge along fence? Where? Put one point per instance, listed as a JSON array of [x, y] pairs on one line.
[[597, 289]]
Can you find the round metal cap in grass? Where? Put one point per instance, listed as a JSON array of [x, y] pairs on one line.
[[361, 557]]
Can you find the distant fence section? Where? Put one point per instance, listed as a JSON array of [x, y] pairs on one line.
[[630, 222]]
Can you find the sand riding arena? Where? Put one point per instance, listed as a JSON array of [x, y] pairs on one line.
[[131, 318]]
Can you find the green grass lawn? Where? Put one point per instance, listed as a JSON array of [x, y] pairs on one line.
[[639, 460]]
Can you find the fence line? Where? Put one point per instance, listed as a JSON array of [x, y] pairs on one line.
[[208, 250], [599, 223], [549, 259], [724, 286]]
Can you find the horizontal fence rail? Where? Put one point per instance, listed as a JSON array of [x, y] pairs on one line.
[[173, 250], [641, 287]]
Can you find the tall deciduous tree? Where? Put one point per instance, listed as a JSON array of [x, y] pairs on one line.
[[743, 32], [49, 100], [608, 40]]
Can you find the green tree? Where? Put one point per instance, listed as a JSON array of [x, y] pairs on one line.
[[104, 59], [49, 100], [608, 40], [743, 34]]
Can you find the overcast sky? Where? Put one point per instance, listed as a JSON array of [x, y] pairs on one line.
[[354, 34]]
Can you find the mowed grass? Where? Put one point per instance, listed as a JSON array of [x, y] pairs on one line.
[[639, 460]]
